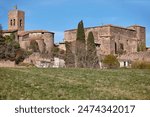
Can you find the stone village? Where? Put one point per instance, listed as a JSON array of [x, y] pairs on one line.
[[109, 39]]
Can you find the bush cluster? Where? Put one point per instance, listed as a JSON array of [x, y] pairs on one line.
[[140, 65], [110, 61]]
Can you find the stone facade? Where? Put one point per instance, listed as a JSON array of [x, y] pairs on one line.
[[16, 25], [62, 46], [111, 39], [44, 39], [16, 20], [136, 56], [7, 63]]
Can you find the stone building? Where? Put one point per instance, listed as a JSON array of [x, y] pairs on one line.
[[16, 20], [111, 39], [16, 25]]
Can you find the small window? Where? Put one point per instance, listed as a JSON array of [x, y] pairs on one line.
[[124, 64], [97, 45], [116, 50], [121, 46], [14, 22], [20, 22], [11, 22]]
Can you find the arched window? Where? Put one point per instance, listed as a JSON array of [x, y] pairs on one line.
[[14, 22], [11, 22], [20, 22]]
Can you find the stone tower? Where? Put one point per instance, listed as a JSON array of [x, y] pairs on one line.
[[16, 20], [140, 35]]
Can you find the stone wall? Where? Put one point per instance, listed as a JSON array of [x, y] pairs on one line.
[[140, 32], [123, 39], [62, 46], [136, 56], [113, 39], [16, 20], [45, 40], [49, 41], [24, 44], [4, 63], [101, 35]]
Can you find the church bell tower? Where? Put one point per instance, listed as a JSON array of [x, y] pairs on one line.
[[16, 20]]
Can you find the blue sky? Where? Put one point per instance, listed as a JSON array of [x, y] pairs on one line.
[[60, 15]]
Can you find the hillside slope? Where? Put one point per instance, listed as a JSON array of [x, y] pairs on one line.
[[33, 83]]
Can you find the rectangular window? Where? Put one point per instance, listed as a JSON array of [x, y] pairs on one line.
[[14, 22], [11, 22], [20, 22]]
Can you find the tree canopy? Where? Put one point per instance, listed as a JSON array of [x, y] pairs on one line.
[[10, 49]]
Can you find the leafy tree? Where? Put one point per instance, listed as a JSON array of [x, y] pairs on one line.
[[91, 53], [10, 49], [110, 61], [80, 48], [56, 52], [21, 55]]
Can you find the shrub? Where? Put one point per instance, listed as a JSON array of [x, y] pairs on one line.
[[140, 65], [110, 61], [55, 51]]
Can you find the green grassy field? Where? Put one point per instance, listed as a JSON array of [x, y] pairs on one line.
[[33, 83]]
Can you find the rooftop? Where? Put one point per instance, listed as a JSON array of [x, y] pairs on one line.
[[23, 33], [9, 31], [109, 25]]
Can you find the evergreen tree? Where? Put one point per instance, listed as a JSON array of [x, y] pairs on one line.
[[2, 40], [80, 32], [0, 30], [80, 48], [91, 53], [2, 44]]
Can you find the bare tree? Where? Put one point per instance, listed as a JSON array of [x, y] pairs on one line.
[[70, 54]]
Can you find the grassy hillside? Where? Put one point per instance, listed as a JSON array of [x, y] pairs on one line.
[[33, 83]]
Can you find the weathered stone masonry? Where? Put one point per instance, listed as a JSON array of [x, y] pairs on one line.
[[16, 25], [113, 39]]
